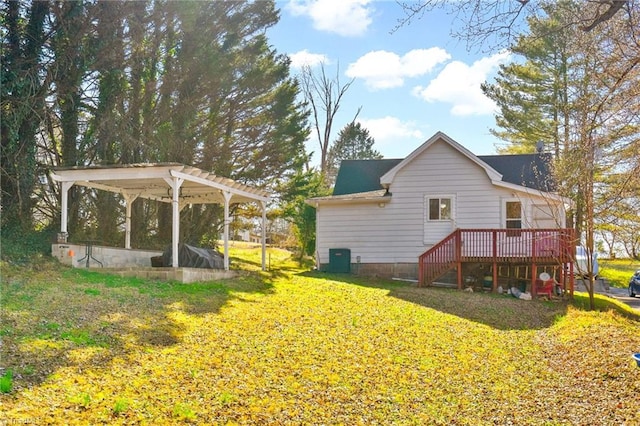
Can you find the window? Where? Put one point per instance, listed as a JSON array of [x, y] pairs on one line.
[[514, 215], [439, 208]]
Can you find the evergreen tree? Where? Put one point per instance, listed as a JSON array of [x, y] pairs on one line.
[[533, 94], [152, 81], [299, 187], [353, 143], [23, 91]]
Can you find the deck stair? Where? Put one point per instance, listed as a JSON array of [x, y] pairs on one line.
[[439, 259]]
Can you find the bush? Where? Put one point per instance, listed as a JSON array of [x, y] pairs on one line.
[[20, 246], [6, 382]]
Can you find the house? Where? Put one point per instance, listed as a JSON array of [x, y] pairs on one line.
[[445, 215]]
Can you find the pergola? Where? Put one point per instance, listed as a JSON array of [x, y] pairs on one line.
[[173, 183]]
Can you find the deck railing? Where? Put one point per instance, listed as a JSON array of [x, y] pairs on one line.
[[497, 246]]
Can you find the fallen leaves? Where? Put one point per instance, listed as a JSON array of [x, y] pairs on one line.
[[287, 348]]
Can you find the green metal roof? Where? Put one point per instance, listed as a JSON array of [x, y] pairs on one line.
[[356, 176]]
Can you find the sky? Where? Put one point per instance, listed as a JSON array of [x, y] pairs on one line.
[[410, 83]]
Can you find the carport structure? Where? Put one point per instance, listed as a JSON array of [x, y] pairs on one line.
[[173, 183]]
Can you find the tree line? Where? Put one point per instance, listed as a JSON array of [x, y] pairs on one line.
[[102, 82]]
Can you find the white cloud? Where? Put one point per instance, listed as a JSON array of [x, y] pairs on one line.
[[384, 70], [343, 17], [459, 84], [304, 57], [387, 130]]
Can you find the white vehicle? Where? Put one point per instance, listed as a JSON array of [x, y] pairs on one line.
[[580, 267]]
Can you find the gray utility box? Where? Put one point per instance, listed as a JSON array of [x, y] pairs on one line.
[[340, 260]]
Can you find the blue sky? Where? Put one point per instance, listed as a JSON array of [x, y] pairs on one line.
[[410, 83]]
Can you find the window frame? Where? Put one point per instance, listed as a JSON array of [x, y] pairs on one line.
[[507, 220], [440, 199]]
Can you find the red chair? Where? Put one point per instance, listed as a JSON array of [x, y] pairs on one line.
[[544, 287]]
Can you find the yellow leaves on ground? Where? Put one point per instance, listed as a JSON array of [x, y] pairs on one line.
[[301, 348]]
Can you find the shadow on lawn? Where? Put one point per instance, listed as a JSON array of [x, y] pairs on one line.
[[59, 317], [497, 311]]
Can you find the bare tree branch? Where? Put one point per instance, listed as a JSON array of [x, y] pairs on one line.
[[494, 24], [324, 95]]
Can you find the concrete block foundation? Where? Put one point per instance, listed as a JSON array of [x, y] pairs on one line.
[[404, 271], [130, 263]]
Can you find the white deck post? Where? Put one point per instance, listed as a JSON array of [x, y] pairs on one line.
[[227, 197], [264, 234]]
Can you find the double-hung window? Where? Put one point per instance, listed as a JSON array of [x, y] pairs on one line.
[[514, 215], [439, 208]]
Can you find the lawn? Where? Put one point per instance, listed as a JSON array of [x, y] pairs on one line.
[[296, 347], [618, 271]]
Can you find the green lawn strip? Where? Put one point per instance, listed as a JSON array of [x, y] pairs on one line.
[[618, 271]]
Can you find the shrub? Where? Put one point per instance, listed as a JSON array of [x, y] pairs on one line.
[[6, 382], [20, 246]]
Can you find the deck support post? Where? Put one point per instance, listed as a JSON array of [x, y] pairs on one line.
[[494, 284], [534, 277], [572, 278], [459, 257]]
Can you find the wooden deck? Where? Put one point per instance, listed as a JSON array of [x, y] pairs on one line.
[[500, 247]]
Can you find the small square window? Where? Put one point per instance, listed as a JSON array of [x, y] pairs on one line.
[[439, 208]]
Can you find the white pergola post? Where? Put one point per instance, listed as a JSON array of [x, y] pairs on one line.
[[175, 184], [64, 206], [264, 234], [128, 199], [227, 197]]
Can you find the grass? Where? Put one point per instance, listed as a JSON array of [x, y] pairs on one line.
[[6, 382], [290, 346], [618, 271]]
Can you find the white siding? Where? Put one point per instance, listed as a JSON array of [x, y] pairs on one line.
[[397, 232]]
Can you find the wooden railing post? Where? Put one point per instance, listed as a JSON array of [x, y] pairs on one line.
[[494, 285], [458, 240]]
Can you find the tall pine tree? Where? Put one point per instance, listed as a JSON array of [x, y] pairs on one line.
[[353, 143]]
